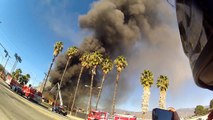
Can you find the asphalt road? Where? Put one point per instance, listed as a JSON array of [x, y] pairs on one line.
[[15, 107]]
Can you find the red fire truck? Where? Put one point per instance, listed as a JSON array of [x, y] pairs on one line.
[[98, 115], [14, 85], [32, 94], [28, 92], [124, 117]]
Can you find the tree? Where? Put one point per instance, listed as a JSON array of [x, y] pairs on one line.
[[2, 70], [71, 52], [16, 74], [28, 76], [162, 84], [84, 64], [95, 59], [147, 80], [211, 104], [58, 47], [24, 79], [200, 110], [120, 63], [106, 66]]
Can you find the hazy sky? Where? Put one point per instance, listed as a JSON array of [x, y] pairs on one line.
[[30, 28]]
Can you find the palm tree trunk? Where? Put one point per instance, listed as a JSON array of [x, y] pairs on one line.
[[45, 82], [62, 77], [76, 89], [100, 91], [162, 101], [115, 93], [90, 93], [145, 100]]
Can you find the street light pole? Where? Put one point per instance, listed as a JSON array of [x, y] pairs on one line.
[[6, 62], [7, 54]]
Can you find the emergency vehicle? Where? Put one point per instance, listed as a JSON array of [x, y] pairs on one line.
[[98, 115], [124, 117]]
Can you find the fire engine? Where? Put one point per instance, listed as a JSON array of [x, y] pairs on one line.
[[14, 85], [23, 90], [32, 94], [124, 117], [98, 115]]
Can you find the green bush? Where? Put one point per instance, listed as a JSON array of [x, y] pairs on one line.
[[200, 110]]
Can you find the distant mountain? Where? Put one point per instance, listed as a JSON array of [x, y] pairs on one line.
[[185, 112]]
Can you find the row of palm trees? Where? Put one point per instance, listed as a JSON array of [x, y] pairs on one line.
[[91, 61], [23, 79], [147, 80], [94, 59]]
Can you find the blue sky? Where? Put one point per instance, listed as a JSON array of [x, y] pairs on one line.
[[30, 28]]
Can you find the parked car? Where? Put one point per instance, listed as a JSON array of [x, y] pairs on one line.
[[59, 109], [37, 97]]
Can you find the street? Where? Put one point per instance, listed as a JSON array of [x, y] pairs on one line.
[[15, 107]]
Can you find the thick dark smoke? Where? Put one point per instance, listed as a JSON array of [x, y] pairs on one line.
[[128, 28], [70, 79]]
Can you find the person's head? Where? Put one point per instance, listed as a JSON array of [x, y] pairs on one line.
[[30, 85]]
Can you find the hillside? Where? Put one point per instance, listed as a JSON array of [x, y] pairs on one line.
[[185, 112]]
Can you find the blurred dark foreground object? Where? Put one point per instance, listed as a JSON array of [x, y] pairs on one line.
[[195, 21], [160, 114], [210, 116]]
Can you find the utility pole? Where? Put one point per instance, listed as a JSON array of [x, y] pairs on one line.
[[43, 83], [18, 59], [6, 62], [6, 54]]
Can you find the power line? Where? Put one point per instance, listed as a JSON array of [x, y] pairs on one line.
[[9, 41], [2, 46], [15, 48]]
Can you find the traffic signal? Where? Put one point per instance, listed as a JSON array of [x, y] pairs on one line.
[[6, 53]]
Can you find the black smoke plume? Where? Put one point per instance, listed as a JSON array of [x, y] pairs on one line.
[[122, 27]]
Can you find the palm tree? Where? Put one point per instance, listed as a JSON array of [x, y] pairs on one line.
[[147, 80], [95, 59], [106, 66], [58, 47], [16, 74], [84, 64], [72, 51], [2, 70], [120, 63], [24, 79], [163, 84], [28, 76]]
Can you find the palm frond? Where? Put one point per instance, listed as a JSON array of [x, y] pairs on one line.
[[120, 63]]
